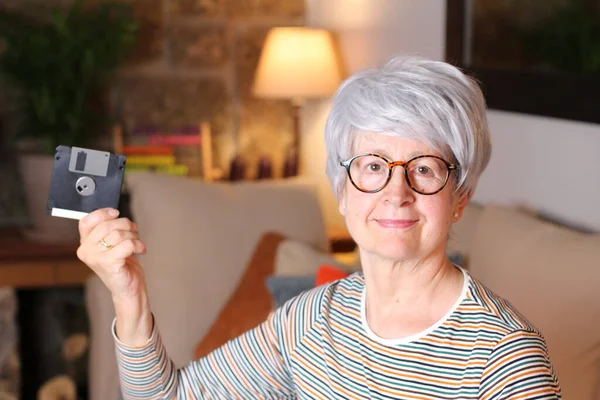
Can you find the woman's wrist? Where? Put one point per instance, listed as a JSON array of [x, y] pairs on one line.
[[134, 320]]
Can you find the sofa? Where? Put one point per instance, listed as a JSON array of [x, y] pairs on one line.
[[201, 236]]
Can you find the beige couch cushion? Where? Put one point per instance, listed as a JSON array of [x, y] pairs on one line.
[[295, 258], [200, 237], [462, 232], [552, 275]]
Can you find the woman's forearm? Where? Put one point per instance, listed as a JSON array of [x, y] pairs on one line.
[[134, 320]]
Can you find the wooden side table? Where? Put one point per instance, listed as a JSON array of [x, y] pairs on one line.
[[27, 265]]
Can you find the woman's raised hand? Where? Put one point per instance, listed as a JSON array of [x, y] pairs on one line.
[[109, 246]]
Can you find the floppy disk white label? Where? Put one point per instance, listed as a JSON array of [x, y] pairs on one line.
[[61, 212]]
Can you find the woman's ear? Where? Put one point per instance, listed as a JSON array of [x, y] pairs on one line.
[[460, 206], [342, 199], [343, 209]]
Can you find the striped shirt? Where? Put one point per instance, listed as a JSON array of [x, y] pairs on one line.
[[319, 346]]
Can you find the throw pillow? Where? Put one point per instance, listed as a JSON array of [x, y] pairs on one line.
[[457, 258], [329, 273], [250, 303], [284, 288], [297, 258], [296, 266]]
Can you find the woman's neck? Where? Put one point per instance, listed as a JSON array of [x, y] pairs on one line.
[[406, 297]]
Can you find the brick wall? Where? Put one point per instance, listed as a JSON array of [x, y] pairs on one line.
[[196, 60]]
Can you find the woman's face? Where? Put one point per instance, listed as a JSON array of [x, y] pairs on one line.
[[397, 223]]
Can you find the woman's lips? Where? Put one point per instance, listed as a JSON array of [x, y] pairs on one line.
[[397, 223]]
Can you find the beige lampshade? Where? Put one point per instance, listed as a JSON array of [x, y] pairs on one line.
[[297, 62]]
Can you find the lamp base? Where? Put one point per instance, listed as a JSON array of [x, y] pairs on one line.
[[292, 161]]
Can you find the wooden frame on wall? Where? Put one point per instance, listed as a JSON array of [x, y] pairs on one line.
[[565, 96]]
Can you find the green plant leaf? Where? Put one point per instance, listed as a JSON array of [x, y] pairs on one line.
[[62, 66]]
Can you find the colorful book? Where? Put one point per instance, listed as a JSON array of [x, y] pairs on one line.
[[176, 169], [149, 160], [131, 150]]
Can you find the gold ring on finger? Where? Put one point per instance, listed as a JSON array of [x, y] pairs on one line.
[[105, 244]]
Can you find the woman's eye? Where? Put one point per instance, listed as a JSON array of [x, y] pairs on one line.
[[374, 167], [423, 170]]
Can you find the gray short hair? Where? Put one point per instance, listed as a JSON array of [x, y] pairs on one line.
[[414, 98]]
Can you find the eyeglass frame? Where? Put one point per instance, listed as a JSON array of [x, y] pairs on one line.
[[391, 164]]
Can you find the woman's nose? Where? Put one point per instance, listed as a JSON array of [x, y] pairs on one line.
[[398, 188], [398, 178]]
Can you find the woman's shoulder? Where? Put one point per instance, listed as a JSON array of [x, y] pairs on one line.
[[496, 310]]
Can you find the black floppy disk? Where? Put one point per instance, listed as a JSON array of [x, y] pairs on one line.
[[84, 180]]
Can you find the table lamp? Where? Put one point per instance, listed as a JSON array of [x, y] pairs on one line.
[[297, 63]]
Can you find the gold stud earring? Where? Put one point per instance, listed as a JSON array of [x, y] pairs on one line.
[[455, 215]]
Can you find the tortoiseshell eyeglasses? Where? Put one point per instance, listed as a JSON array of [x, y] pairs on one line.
[[425, 174]]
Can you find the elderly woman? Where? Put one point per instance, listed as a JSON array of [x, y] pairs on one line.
[[406, 145]]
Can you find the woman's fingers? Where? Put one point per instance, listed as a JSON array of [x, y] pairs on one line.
[[88, 223], [113, 238], [127, 248], [119, 246], [103, 229], [107, 246]]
